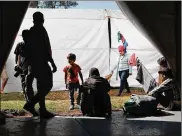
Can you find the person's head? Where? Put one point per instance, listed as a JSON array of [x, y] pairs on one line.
[[166, 73], [71, 58], [162, 62], [25, 35], [121, 50], [38, 18], [94, 72]]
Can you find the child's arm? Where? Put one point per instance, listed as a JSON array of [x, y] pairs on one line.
[[18, 62], [81, 76]]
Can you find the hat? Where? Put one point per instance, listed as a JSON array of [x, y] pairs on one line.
[[121, 48]]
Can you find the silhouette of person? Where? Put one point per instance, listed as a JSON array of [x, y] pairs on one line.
[[20, 59], [39, 54]]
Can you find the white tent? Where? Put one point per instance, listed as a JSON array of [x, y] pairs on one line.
[[85, 33]]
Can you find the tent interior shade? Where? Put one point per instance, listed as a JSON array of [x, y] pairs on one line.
[[85, 33]]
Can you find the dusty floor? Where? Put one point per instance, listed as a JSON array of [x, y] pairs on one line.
[[119, 125]]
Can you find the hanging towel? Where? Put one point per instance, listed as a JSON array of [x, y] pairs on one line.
[[132, 60]]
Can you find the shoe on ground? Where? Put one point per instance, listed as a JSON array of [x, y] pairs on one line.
[[77, 106], [46, 114], [28, 107], [71, 107]]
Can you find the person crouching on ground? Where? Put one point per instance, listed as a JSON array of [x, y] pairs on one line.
[[71, 79], [99, 88], [123, 68], [164, 93]]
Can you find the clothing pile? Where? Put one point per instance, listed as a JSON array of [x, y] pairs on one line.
[[141, 105]]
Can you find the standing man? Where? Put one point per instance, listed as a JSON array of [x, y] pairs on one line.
[[39, 54], [22, 64]]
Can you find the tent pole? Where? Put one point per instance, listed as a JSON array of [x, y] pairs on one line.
[[109, 32]]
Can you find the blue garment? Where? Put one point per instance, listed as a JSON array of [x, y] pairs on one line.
[[125, 44]]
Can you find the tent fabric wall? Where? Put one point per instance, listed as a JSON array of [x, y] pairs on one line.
[[85, 33]]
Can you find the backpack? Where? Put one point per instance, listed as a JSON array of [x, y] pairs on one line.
[[141, 105]]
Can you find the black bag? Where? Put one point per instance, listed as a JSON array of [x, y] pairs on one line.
[[141, 105]]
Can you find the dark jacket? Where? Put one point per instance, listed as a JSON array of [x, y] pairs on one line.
[[99, 84], [95, 94]]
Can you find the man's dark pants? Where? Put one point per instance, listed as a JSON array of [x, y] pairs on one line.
[[44, 77]]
